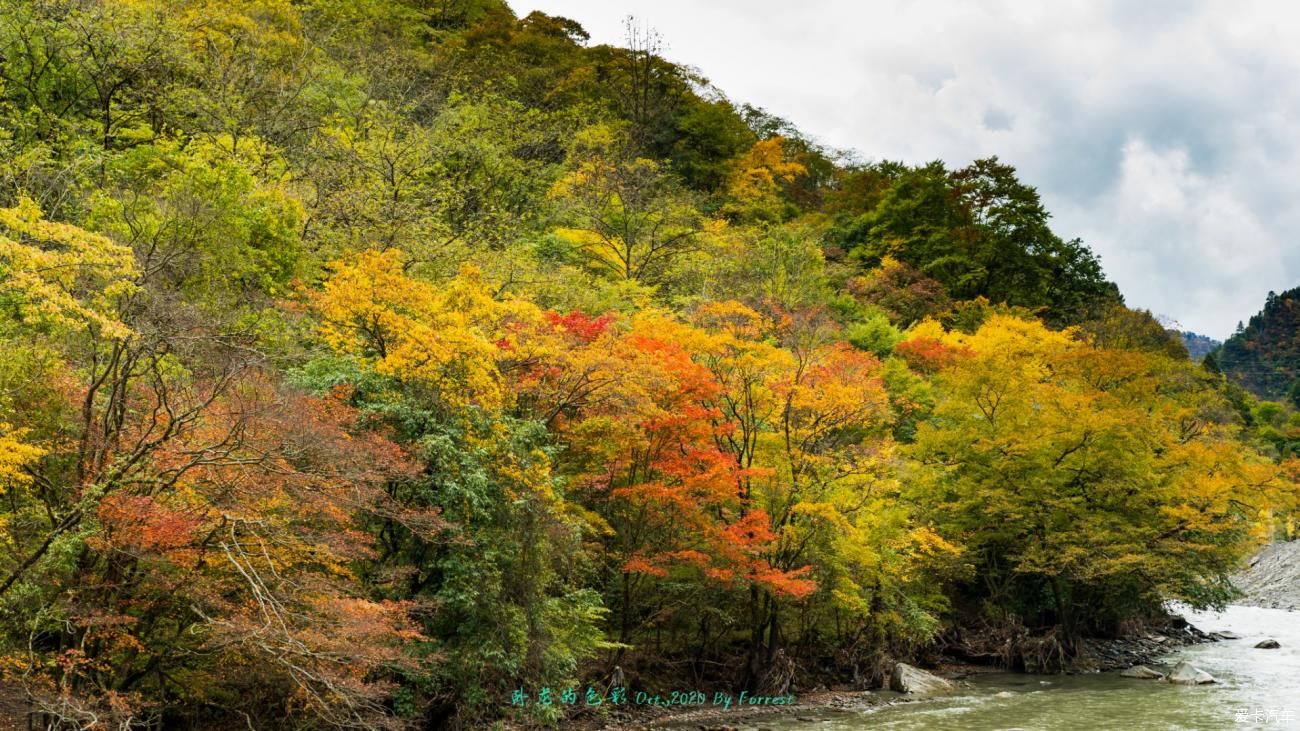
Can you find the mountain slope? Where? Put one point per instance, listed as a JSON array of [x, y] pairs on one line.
[[1264, 355]]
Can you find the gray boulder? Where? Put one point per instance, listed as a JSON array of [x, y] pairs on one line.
[[1184, 673], [1267, 645], [1142, 672], [909, 679], [1225, 635]]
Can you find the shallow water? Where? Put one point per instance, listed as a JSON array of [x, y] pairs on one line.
[[1257, 689]]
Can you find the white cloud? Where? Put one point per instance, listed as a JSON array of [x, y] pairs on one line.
[[1166, 134], [1190, 241]]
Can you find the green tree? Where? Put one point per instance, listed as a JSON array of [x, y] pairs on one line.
[[626, 213], [1121, 328], [981, 232]]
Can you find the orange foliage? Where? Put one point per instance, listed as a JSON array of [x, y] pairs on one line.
[[581, 326], [642, 416], [244, 524], [929, 355]]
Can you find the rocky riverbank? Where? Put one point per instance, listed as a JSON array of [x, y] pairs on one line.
[[1143, 648], [1272, 578]]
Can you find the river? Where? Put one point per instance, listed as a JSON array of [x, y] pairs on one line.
[[1256, 689]]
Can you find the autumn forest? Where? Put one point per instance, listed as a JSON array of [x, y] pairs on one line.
[[364, 363]]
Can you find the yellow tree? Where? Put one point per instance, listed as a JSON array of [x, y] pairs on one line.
[[835, 499], [446, 338], [14, 456], [1078, 476], [58, 274], [758, 180]]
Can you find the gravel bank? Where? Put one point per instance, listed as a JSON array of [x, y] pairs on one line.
[[1273, 578]]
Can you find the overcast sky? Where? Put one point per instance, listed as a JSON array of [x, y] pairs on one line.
[[1165, 134]]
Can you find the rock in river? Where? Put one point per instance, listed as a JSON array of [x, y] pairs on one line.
[[1142, 672], [909, 679], [1268, 645], [1184, 673]]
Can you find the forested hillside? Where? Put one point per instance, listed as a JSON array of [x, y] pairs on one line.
[[373, 364], [1198, 346], [1264, 354]]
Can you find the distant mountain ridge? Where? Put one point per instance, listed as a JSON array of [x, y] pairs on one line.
[[1198, 346], [1264, 354]]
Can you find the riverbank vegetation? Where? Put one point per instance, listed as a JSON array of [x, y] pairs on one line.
[[366, 362]]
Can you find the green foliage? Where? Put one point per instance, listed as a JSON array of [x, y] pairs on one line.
[[778, 266], [203, 219], [980, 232], [910, 396], [1124, 329], [629, 219], [511, 609], [445, 191], [874, 335], [709, 136]]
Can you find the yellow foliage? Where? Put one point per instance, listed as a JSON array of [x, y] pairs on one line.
[[627, 216], [929, 329], [1083, 464], [446, 337], [757, 180], [14, 454], [61, 274]]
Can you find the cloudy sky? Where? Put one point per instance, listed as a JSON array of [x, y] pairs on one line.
[[1165, 134]]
